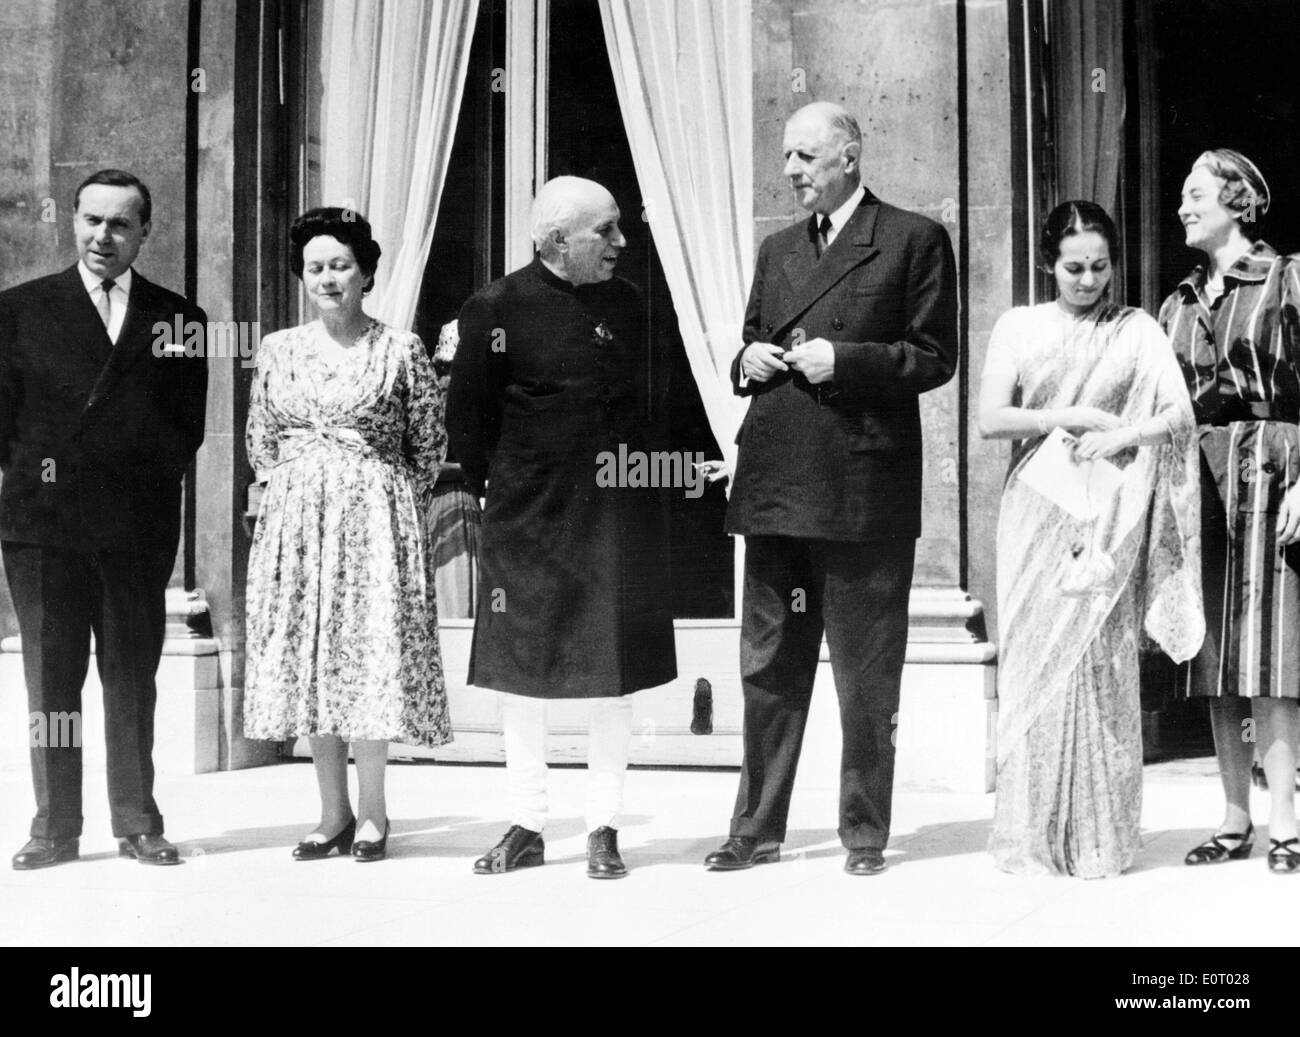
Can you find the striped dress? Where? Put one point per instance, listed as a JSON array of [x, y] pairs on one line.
[[1240, 355]]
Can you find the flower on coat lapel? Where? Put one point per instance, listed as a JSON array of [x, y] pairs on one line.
[[603, 335]]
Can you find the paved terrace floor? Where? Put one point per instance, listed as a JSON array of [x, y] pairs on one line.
[[238, 885]]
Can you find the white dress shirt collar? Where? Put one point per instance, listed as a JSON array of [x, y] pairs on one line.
[[118, 299], [93, 281], [844, 213]]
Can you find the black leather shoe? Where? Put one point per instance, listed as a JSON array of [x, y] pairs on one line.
[[865, 862], [42, 853], [310, 850], [366, 850], [520, 847], [148, 849], [740, 852], [603, 860]]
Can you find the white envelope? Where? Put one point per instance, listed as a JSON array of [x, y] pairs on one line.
[[1082, 488]]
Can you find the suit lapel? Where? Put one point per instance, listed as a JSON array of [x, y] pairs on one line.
[[75, 315], [809, 277], [132, 341]]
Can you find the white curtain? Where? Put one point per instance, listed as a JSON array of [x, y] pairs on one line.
[[393, 74], [683, 71]]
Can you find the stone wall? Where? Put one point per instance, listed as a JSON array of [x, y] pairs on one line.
[[989, 216]]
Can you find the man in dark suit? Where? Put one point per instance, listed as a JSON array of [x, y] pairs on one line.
[[852, 315], [99, 421]]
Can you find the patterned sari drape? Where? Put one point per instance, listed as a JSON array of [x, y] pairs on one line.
[[1076, 595], [1059, 578]]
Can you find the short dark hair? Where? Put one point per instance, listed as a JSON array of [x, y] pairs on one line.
[[117, 178], [344, 225], [1075, 217]]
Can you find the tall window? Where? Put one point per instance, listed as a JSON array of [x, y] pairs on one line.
[[469, 242]]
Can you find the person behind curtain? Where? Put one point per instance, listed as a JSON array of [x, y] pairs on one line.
[[345, 426], [1077, 585], [1235, 325], [574, 597], [453, 520]]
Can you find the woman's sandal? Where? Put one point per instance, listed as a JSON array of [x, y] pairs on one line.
[[1213, 851], [1284, 855]]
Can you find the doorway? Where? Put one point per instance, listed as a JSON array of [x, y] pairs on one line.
[[540, 101]]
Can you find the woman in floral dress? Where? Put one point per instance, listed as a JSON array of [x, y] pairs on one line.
[[1079, 578], [345, 426]]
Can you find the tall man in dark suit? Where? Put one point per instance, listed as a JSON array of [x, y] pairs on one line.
[[98, 424], [852, 315]]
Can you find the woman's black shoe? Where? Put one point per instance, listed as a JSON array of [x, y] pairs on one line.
[[307, 850], [1284, 855], [366, 851], [1213, 851]]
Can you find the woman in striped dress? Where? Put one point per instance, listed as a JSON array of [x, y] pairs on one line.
[[1235, 324]]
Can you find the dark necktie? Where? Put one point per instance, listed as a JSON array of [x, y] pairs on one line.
[[105, 305], [823, 233]]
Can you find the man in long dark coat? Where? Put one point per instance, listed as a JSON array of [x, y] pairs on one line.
[[573, 592], [851, 317]]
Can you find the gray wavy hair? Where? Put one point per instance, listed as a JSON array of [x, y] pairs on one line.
[[1244, 185]]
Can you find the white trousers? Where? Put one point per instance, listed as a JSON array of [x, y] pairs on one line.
[[608, 742]]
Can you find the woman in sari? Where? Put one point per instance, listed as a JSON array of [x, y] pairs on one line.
[[1234, 323], [1097, 540]]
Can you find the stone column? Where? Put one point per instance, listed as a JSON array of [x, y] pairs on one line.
[[226, 270], [29, 211]]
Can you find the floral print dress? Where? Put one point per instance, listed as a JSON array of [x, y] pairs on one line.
[[342, 619]]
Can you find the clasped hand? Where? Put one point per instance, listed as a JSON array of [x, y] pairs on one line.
[[814, 359], [1093, 445], [1104, 434]]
